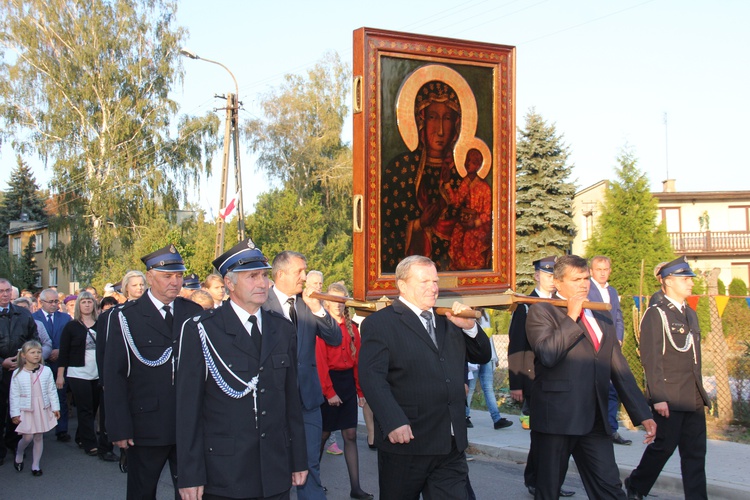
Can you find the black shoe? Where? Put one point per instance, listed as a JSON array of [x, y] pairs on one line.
[[108, 456], [502, 423], [123, 461], [361, 495], [632, 494], [36, 472], [566, 493], [617, 439], [18, 466], [63, 437], [469, 425]]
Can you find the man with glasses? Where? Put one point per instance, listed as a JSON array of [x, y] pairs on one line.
[[54, 321], [16, 327]]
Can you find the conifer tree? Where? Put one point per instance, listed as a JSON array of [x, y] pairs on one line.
[[22, 196], [544, 197]]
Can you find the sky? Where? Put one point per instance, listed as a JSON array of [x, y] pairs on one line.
[[667, 78]]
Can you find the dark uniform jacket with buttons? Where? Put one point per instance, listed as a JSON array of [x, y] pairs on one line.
[[520, 353], [408, 381], [140, 399], [672, 376], [218, 444]]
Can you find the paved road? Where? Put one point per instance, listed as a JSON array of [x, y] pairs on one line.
[[69, 474]]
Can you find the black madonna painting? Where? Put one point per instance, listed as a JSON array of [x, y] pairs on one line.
[[433, 160]]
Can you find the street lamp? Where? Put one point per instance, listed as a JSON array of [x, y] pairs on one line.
[[232, 126]]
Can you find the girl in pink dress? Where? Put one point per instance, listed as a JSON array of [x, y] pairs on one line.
[[34, 405]]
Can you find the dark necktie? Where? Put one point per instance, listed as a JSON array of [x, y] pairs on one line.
[[168, 317], [255, 332], [49, 318], [292, 311], [427, 315], [590, 330]]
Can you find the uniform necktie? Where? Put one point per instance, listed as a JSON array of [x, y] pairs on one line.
[[168, 317], [51, 323], [255, 332], [590, 330], [292, 310], [427, 315]]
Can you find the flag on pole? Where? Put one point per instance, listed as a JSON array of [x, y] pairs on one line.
[[227, 211]]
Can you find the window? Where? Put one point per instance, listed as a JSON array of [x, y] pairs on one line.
[[739, 219], [17, 247], [38, 280], [671, 217], [53, 277], [52, 239], [39, 243]]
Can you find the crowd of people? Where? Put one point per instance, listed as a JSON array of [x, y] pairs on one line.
[[237, 382]]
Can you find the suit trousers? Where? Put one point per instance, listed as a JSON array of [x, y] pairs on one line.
[[145, 464], [686, 429], [595, 458], [613, 405], [312, 489], [404, 477]]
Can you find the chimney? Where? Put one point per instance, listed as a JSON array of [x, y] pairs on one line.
[[668, 186]]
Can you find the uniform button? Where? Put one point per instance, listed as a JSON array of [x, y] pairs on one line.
[[262, 391], [447, 381], [210, 449], [282, 362], [263, 413], [229, 365], [442, 359], [263, 435], [149, 341], [260, 369]]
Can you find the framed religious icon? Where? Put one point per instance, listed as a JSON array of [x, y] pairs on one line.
[[434, 161]]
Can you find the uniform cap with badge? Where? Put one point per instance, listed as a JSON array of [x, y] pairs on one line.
[[191, 282], [678, 267], [545, 265], [166, 259], [244, 256]]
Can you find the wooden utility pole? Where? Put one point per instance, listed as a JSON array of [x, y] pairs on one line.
[[230, 112], [237, 170]]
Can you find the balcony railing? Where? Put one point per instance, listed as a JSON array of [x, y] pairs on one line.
[[721, 242]]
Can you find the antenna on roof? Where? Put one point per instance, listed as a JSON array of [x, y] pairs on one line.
[[666, 144]]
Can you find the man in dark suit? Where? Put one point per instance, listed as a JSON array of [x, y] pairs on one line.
[[54, 321], [239, 430], [411, 367], [521, 361], [671, 357], [600, 290], [576, 355], [139, 369], [311, 320], [16, 327]]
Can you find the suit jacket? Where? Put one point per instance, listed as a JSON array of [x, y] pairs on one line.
[[218, 444], [614, 300], [408, 381], [572, 378], [672, 376], [140, 399], [18, 328], [60, 319], [520, 354], [309, 326]]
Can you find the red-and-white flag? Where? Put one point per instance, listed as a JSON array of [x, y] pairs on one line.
[[227, 211]]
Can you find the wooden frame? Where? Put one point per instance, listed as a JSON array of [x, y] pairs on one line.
[[421, 105]]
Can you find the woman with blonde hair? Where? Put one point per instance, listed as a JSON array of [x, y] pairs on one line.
[[78, 355]]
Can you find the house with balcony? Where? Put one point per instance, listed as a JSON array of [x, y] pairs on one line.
[[711, 228], [50, 274]]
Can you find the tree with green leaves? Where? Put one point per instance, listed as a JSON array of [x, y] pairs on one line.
[[626, 232], [298, 143], [26, 271], [544, 196], [23, 196], [85, 85]]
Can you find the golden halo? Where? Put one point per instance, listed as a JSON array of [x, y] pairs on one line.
[[407, 123]]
